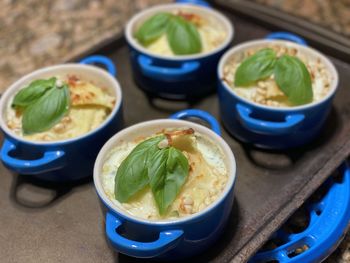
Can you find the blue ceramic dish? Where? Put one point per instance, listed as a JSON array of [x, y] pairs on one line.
[[274, 127], [176, 77], [167, 239], [69, 159], [329, 220]]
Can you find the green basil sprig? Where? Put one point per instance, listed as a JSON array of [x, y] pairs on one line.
[[32, 92], [182, 35], [132, 174], [43, 104], [164, 170], [294, 80], [47, 111], [258, 66], [291, 75], [153, 28], [168, 171]]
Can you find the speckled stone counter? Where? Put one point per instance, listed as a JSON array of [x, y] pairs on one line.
[[331, 14], [37, 33]]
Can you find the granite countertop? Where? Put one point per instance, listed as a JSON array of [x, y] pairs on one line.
[[36, 33], [331, 14]]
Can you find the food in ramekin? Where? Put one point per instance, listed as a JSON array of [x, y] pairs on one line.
[[58, 108], [277, 75], [180, 32], [172, 174]]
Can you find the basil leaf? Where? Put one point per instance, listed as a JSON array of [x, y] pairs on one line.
[[152, 28], [168, 171], [293, 78], [46, 111], [132, 174], [32, 92], [183, 37], [256, 67]]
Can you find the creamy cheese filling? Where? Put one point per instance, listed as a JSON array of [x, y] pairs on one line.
[[90, 106], [266, 92], [212, 34], [205, 183]]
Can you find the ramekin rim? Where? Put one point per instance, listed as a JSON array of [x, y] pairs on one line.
[[245, 44], [109, 144], [16, 85], [132, 42]]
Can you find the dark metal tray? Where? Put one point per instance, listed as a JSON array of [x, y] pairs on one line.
[[270, 185]]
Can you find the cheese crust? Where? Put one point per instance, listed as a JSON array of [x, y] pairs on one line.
[[212, 34], [90, 106], [205, 183], [266, 92]]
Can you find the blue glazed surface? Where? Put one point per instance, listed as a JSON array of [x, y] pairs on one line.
[[61, 161], [198, 233], [185, 79], [166, 241], [268, 127], [151, 70], [267, 131], [194, 2], [287, 36], [213, 123], [288, 125], [182, 79], [98, 59], [329, 218], [172, 240]]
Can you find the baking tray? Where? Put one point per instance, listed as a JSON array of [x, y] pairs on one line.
[[64, 222]]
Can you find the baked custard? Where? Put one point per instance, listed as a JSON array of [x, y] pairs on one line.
[[58, 108], [180, 32], [288, 89], [202, 160]]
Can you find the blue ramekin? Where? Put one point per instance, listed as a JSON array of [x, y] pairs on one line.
[[183, 77], [69, 159], [273, 127], [170, 239]]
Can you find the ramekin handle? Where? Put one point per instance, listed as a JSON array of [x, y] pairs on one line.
[[287, 36], [194, 2], [166, 240], [148, 68], [99, 59], [329, 218], [203, 115], [51, 160], [268, 127]]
